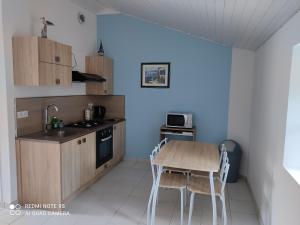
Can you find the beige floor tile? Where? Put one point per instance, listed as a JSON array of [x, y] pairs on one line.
[[62, 220], [239, 191], [240, 206], [31, 220], [121, 197], [6, 217], [244, 219]]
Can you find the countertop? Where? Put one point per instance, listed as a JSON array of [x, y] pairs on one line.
[[71, 133]]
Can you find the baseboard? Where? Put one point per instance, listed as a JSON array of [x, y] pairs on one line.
[[255, 203]]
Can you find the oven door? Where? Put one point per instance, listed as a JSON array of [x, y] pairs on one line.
[[104, 146]]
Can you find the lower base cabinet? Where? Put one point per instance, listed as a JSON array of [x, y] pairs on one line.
[[118, 141], [51, 173], [78, 163]]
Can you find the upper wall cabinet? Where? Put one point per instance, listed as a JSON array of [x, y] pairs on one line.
[[102, 66], [41, 62]]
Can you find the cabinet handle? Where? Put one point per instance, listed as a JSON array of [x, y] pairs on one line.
[[84, 140], [57, 59], [57, 81], [79, 142], [115, 127]]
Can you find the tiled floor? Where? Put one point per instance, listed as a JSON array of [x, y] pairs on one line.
[[120, 198]]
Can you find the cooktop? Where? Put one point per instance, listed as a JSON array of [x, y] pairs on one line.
[[90, 124], [86, 124]]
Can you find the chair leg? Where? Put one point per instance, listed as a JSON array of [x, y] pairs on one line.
[[154, 204], [185, 196], [181, 205], [191, 207], [149, 206], [224, 212]]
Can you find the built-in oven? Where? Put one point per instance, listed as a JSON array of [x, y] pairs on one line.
[[104, 146]]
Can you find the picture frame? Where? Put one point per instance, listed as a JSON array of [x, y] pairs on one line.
[[155, 75]]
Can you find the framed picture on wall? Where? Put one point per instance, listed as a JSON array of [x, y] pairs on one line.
[[155, 75]]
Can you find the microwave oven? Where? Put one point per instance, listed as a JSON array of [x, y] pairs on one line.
[[182, 120]]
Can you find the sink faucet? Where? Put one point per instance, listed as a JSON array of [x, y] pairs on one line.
[[46, 122]]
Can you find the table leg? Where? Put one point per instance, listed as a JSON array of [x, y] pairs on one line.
[[213, 197]]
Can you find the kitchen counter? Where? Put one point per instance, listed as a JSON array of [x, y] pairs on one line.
[[70, 133]]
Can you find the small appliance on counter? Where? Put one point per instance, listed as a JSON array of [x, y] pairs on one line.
[[99, 112], [181, 120], [89, 112]]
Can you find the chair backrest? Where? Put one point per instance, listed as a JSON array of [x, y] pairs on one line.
[[161, 143], [224, 174], [225, 160], [223, 151], [154, 167]]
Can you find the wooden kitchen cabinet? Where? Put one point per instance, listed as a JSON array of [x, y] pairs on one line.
[[78, 163], [40, 172], [54, 52], [102, 66], [41, 62], [70, 169], [49, 172], [53, 75], [118, 141], [87, 158]]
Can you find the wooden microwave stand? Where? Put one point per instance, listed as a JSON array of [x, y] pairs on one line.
[[164, 130]]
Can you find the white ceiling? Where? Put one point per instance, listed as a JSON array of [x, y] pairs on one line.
[[240, 23]]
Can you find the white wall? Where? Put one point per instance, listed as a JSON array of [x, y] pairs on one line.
[[240, 97], [21, 17], [276, 193], [3, 127]]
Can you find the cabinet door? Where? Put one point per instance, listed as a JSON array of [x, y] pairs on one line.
[[25, 60], [118, 141], [108, 75], [94, 64], [87, 158], [70, 160], [46, 74], [63, 54], [46, 50], [54, 75], [62, 75], [94, 88], [40, 172], [102, 66]]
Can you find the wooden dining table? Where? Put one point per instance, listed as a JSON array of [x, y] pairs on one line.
[[190, 155]]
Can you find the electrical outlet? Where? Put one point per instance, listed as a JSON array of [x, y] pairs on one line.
[[22, 114]]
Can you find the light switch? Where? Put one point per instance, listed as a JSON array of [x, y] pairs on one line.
[[22, 114]]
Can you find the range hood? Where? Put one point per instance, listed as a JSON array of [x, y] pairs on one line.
[[86, 77]]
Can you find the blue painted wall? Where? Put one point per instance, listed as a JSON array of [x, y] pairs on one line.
[[200, 79]]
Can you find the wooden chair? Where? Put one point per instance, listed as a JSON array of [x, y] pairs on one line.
[[201, 185], [166, 180]]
